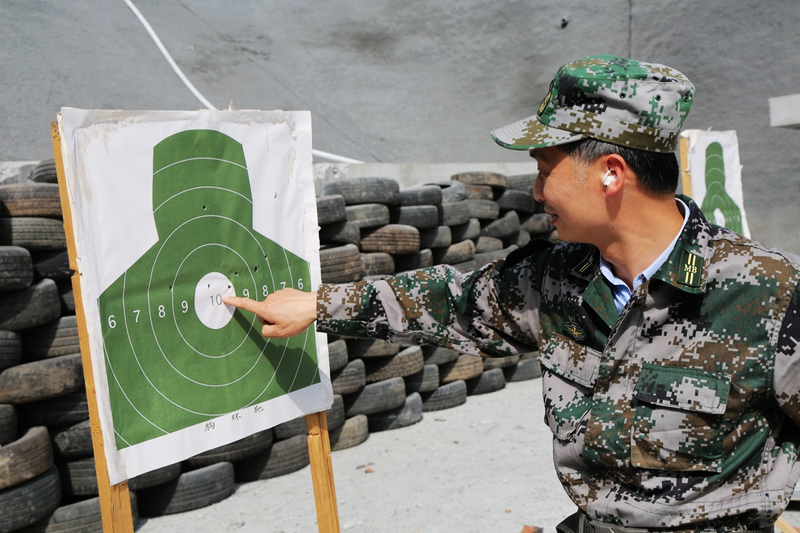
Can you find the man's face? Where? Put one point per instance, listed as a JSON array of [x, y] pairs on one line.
[[569, 194]]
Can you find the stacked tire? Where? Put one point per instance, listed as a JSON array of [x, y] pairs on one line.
[[467, 221], [369, 227]]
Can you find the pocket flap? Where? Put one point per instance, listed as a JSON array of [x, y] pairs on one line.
[[571, 360], [690, 389]]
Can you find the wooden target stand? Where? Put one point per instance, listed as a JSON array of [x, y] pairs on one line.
[[115, 504]]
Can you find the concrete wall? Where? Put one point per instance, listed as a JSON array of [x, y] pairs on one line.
[[407, 81]]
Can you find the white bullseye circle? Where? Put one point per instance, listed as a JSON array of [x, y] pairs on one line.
[[208, 296]]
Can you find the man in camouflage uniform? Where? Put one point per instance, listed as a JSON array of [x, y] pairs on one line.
[[669, 346]]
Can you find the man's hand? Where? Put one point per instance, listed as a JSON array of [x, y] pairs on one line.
[[284, 313]]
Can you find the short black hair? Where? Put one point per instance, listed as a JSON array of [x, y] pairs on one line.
[[658, 172]]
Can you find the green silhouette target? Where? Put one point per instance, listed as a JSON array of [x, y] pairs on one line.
[[175, 355]]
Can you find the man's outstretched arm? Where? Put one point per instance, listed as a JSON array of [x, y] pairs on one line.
[[283, 314]]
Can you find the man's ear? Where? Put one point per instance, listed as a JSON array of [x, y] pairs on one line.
[[616, 172]]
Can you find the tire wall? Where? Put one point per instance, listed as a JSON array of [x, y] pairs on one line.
[[368, 227]]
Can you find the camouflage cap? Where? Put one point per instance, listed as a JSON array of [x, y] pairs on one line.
[[613, 99]]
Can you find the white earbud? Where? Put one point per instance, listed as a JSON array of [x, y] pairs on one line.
[[609, 178]]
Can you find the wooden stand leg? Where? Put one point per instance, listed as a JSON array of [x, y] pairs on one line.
[[115, 502], [319, 451]]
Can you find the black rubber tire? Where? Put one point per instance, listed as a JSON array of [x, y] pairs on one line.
[[54, 339], [489, 381], [337, 256], [38, 304], [376, 397], [410, 413], [524, 370], [523, 238], [502, 228], [520, 201], [61, 411], [365, 190], [463, 368], [10, 349], [349, 379], [353, 432], [365, 348], [483, 209], [40, 380], [490, 257], [438, 237], [335, 414], [159, 476], [45, 172], [478, 192], [340, 264], [340, 233], [465, 267], [291, 428], [192, 490], [488, 244], [426, 380], [78, 477], [452, 191], [66, 296], [391, 238], [26, 457], [492, 179], [33, 233], [434, 355], [408, 361], [74, 441], [499, 362], [454, 254], [538, 224], [284, 457], [377, 264], [470, 230], [8, 423], [418, 216], [521, 182], [30, 199], [421, 195], [447, 396], [80, 517], [368, 215], [453, 214], [53, 265], [330, 209], [337, 355], [406, 262], [16, 268], [29, 502], [235, 451]]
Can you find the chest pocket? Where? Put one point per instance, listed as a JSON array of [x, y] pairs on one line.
[[679, 418], [568, 378]]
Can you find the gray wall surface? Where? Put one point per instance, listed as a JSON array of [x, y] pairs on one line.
[[406, 81]]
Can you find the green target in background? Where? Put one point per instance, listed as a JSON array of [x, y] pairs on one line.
[[175, 355]]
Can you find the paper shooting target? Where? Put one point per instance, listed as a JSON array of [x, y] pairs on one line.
[[175, 355]]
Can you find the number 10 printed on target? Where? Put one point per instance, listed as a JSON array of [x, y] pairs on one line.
[[172, 211]]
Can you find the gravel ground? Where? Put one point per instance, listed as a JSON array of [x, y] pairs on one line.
[[484, 466]]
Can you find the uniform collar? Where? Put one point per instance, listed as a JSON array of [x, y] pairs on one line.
[[685, 268]]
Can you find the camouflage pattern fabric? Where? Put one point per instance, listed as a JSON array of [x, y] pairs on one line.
[[614, 99], [680, 412]]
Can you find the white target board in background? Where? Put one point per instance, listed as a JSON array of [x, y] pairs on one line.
[[171, 212]]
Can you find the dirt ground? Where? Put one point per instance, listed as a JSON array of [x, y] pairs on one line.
[[484, 466]]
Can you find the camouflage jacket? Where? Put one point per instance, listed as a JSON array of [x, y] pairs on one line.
[[682, 411]]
